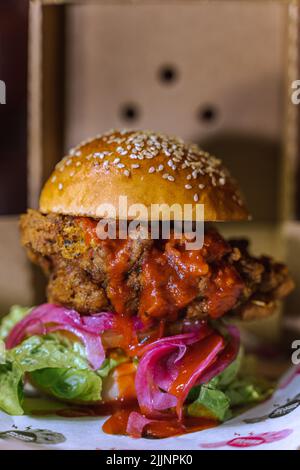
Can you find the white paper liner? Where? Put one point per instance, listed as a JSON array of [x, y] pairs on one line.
[[274, 424]]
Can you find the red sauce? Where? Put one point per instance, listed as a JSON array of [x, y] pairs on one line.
[[158, 429], [170, 279], [195, 354], [117, 422], [170, 275], [168, 428], [128, 338], [118, 291], [223, 291]]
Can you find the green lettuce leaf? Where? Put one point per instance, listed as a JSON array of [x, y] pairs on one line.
[[15, 315], [109, 364], [248, 390], [11, 390], [211, 403], [230, 373], [56, 364], [2, 352], [233, 387], [69, 384], [39, 352]]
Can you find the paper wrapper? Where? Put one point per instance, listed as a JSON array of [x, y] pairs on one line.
[[274, 424]]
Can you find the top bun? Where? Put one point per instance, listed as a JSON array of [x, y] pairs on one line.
[[148, 168]]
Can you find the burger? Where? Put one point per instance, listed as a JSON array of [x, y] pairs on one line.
[[141, 328]]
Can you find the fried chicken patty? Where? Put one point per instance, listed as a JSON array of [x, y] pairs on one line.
[[151, 278]]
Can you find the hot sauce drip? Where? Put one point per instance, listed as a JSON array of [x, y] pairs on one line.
[[196, 354], [170, 275], [169, 281]]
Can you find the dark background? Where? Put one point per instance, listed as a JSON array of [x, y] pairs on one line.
[[13, 71]]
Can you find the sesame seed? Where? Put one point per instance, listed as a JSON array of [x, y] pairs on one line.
[[68, 162], [78, 153], [188, 186], [151, 169], [171, 178], [135, 165], [201, 186], [116, 160], [196, 197], [126, 172], [165, 176], [53, 179], [60, 186], [120, 165], [78, 163], [72, 173], [99, 155], [147, 145], [105, 163]]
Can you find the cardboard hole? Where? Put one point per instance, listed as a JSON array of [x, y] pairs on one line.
[[208, 114], [130, 112], [168, 74]]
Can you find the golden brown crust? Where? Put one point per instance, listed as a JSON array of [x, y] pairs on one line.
[[148, 168]]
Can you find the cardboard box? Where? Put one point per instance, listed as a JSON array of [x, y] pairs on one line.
[[95, 65]]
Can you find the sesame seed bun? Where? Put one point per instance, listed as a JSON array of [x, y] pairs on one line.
[[148, 168]]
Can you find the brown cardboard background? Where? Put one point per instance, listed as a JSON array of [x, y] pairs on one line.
[[83, 64]]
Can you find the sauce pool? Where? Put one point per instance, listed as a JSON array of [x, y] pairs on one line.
[[157, 429]]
